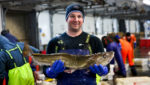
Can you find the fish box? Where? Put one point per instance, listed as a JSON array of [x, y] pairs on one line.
[[140, 62], [143, 80]]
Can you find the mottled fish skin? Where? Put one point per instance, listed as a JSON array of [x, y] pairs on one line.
[[26, 50], [74, 61]]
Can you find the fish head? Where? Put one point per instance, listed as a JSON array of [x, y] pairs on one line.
[[104, 58]]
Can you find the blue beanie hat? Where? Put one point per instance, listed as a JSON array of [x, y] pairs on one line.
[[117, 37], [73, 8]]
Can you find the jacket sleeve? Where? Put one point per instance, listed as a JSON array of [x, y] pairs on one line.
[[118, 57], [35, 50]]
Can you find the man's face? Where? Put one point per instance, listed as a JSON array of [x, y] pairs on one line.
[[75, 21], [128, 38]]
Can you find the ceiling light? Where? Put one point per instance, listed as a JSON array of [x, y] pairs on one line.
[[146, 2]]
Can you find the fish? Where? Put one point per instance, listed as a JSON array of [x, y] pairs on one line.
[[74, 61], [26, 50]]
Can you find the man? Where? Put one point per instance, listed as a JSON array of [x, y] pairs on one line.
[[14, 63], [111, 45], [132, 40], [76, 42]]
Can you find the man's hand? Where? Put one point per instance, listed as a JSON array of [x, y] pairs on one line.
[[99, 69], [134, 44], [55, 69]]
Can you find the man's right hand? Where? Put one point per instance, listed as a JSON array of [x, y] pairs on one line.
[[55, 69], [99, 69]]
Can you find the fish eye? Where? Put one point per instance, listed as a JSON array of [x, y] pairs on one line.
[[104, 56]]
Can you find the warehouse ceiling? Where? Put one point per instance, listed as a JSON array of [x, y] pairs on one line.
[[113, 8]]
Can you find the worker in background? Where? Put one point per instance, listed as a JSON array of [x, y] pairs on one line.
[[14, 63], [127, 53], [75, 41], [111, 45], [9, 36], [131, 39]]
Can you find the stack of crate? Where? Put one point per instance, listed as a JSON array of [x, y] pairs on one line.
[[133, 81], [141, 64]]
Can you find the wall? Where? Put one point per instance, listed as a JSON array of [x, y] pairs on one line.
[[89, 24], [106, 25], [132, 26], [44, 27], [23, 25], [59, 24], [15, 22]]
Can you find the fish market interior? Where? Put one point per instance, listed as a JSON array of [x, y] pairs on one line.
[[72, 42]]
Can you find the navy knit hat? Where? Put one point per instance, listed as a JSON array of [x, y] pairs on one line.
[[128, 34], [72, 8]]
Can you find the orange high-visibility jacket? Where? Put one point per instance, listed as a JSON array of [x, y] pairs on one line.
[[132, 41]]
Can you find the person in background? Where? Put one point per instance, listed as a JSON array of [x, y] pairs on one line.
[[9, 36], [111, 45], [131, 39], [14, 63], [127, 53], [75, 41]]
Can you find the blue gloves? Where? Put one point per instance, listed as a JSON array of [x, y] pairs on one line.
[[120, 46], [55, 69], [99, 69], [134, 44]]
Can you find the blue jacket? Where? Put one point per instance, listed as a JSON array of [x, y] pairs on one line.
[[113, 46], [6, 63]]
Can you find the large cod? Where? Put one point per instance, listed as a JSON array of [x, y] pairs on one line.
[[74, 61], [70, 61]]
